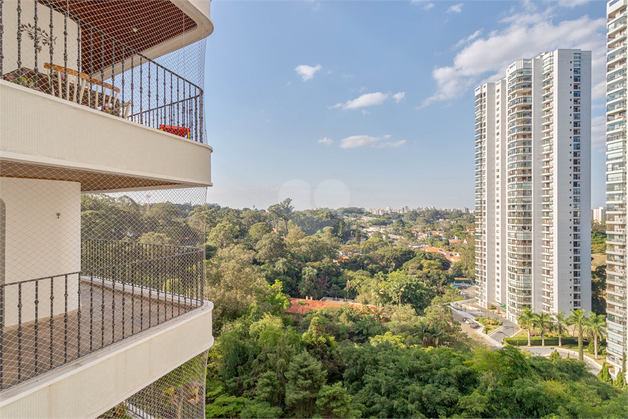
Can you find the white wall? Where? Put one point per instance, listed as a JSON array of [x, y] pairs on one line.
[[40, 243]]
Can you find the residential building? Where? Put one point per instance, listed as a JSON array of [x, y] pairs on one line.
[[598, 214], [103, 148], [533, 190], [616, 174]]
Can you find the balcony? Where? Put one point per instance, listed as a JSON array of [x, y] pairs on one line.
[[103, 89], [52, 321], [130, 300]]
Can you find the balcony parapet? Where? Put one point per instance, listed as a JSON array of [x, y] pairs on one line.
[[123, 290]]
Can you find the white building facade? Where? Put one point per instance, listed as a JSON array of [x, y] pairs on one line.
[[598, 214], [616, 175], [533, 189]]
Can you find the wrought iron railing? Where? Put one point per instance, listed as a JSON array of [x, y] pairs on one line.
[[55, 52], [122, 290]]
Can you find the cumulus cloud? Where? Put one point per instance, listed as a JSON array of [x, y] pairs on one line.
[[572, 3], [367, 140], [527, 35], [456, 8], [426, 5], [326, 141], [465, 41], [368, 99], [393, 144], [399, 96], [307, 72]]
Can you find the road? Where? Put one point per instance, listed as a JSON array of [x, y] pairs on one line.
[[508, 329], [594, 367]]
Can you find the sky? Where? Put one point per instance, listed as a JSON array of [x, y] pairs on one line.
[[370, 104]]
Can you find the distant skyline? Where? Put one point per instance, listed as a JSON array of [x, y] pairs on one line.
[[370, 104]]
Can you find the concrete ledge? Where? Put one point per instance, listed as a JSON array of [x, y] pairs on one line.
[[91, 385], [41, 129]]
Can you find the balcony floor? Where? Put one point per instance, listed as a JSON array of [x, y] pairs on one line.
[[115, 315]]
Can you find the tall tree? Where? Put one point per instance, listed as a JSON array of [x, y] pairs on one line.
[[526, 321], [560, 326], [282, 211], [543, 323], [304, 379], [595, 328], [578, 319]]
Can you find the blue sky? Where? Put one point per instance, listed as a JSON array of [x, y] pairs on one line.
[[370, 104]]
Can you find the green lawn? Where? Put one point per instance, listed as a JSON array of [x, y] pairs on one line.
[[566, 345], [489, 328], [598, 259]]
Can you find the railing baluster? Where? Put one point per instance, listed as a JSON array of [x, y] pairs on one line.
[[36, 326], [91, 70], [141, 91], [102, 70], [113, 304], [65, 53], [35, 42], [19, 332], [102, 312], [51, 51], [91, 313], [1, 73], [65, 320], [52, 297], [19, 41], [78, 346]]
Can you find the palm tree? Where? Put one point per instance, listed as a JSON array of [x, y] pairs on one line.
[[578, 319], [595, 328], [526, 321], [543, 323], [560, 326]]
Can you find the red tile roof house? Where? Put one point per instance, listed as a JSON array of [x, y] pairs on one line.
[[302, 306]]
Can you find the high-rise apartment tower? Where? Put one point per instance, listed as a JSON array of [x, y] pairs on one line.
[[616, 181], [533, 189]]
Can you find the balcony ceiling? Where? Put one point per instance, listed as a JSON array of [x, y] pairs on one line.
[[90, 181], [138, 24]]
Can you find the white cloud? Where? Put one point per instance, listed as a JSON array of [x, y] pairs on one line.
[[288, 84], [367, 140], [347, 76], [572, 3], [456, 8], [326, 140], [526, 35], [426, 5], [598, 133], [328, 71], [365, 112], [399, 96], [307, 72], [393, 144], [368, 99], [465, 41]]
